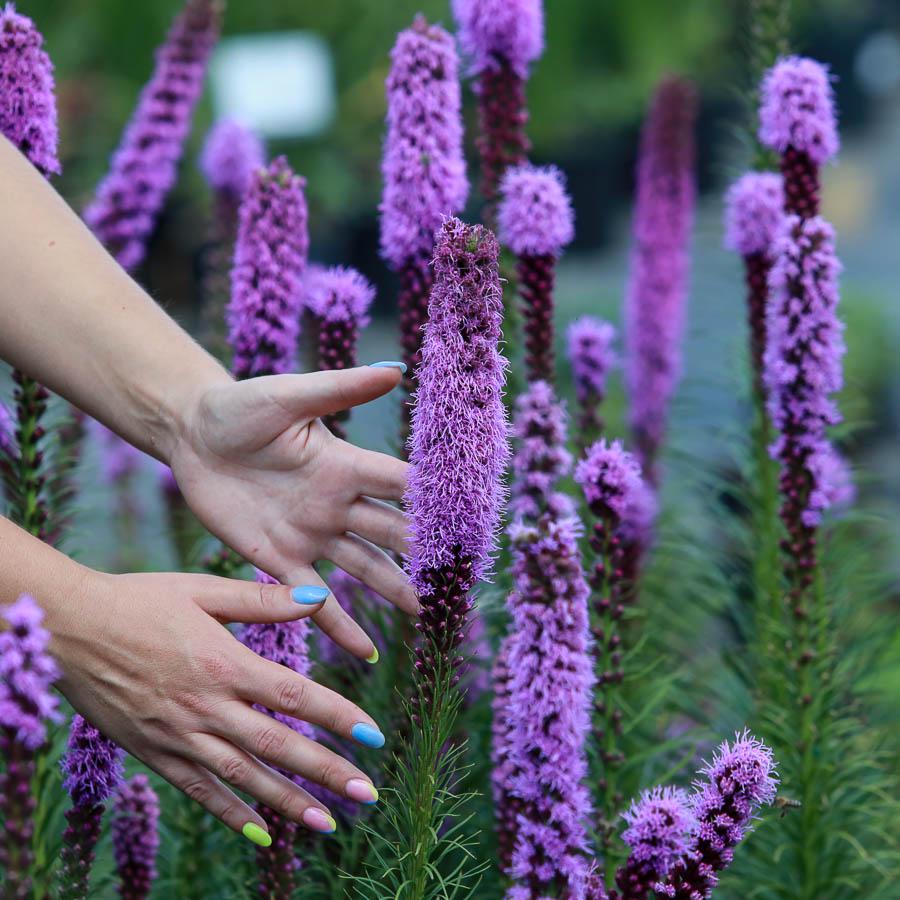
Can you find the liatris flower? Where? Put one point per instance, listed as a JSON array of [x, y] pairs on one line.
[[458, 449], [269, 262], [338, 300], [661, 829], [504, 769], [7, 433], [231, 154], [27, 104], [143, 170], [618, 497], [740, 779], [502, 38], [797, 119], [754, 210], [591, 357], [541, 458], [285, 643], [424, 173], [550, 681], [27, 672], [657, 289], [536, 222], [28, 120], [92, 770], [135, 830]]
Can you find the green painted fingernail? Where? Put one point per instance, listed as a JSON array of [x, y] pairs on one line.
[[258, 835], [371, 660]]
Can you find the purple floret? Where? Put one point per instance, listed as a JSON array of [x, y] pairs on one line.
[[266, 280], [535, 217], [610, 478], [591, 355], [338, 294], [135, 833], [27, 101], [754, 211], [92, 765], [144, 168], [494, 30], [231, 154]]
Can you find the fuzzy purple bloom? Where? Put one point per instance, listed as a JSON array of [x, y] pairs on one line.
[[269, 263], [458, 449], [541, 458], [661, 829], [27, 672], [92, 765], [424, 168], [7, 433], [740, 779], [610, 478], [535, 217], [494, 30], [797, 109], [231, 154], [754, 210], [135, 833], [657, 290], [144, 168], [550, 682], [27, 102], [591, 357]]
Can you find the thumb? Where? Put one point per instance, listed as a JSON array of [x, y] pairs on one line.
[[318, 394], [228, 600]]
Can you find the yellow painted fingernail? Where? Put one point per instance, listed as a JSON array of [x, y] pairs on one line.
[[258, 835], [371, 660]]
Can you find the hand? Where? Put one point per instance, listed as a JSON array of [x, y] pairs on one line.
[[264, 475], [146, 660]]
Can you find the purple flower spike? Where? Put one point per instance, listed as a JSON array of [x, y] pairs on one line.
[[591, 357], [135, 833], [269, 263], [740, 779], [93, 771], [503, 38], [754, 213], [7, 433], [27, 103], [424, 171], [536, 221], [548, 710], [495, 30], [337, 301], [504, 767], [130, 198], [661, 829], [541, 458], [231, 154], [797, 119], [657, 290], [458, 449], [27, 703]]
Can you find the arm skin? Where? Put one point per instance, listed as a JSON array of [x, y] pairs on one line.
[[143, 656]]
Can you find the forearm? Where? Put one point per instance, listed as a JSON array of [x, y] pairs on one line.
[[73, 319]]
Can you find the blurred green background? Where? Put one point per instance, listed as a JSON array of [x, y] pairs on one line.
[[587, 97]]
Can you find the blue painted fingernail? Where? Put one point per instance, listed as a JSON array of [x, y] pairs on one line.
[[389, 365], [309, 594], [367, 734]]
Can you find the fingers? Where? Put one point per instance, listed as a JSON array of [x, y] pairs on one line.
[[281, 746], [318, 394], [377, 474], [229, 600], [204, 788], [281, 690], [376, 569], [382, 524], [242, 771]]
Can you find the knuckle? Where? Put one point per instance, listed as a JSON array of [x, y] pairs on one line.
[[215, 668], [267, 595], [198, 790], [291, 694], [235, 770], [328, 773], [290, 802], [269, 742]]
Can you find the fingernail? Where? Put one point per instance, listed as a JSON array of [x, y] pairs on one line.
[[319, 820], [258, 835], [361, 791], [367, 735], [389, 364], [371, 660], [309, 594]]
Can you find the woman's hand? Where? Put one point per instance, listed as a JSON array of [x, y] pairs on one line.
[[264, 475], [145, 658]]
